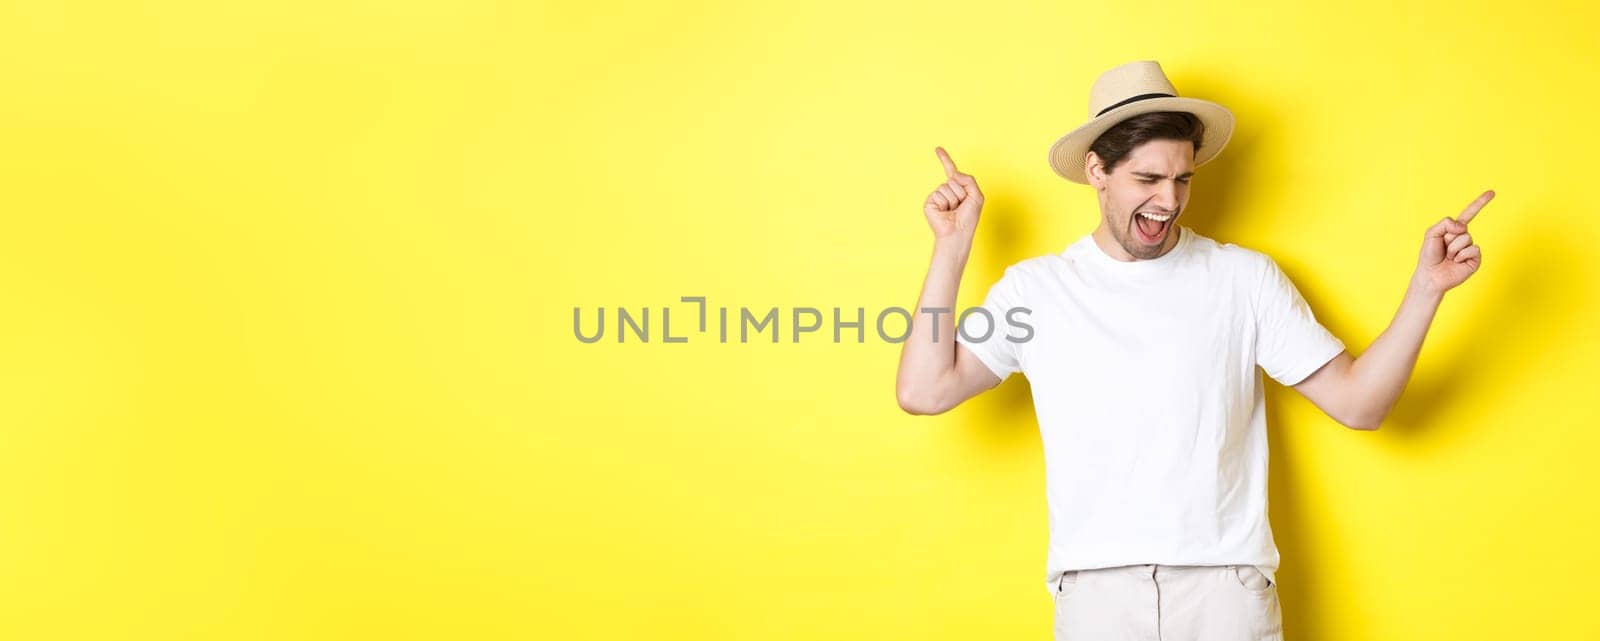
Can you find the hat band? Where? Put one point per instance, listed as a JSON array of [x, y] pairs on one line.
[[1137, 98]]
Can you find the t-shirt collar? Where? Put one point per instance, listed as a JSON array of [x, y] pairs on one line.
[[1099, 256]]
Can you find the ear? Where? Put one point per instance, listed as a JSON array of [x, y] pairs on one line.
[[1094, 170]]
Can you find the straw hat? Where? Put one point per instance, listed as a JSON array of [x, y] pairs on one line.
[[1129, 90]]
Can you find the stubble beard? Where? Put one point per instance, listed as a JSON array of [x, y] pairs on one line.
[[1127, 237]]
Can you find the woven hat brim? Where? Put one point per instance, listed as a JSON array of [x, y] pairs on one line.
[[1068, 152]]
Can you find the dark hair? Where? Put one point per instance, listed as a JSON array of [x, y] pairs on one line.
[[1114, 145]]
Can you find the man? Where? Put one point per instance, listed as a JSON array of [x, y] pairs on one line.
[[1145, 338]]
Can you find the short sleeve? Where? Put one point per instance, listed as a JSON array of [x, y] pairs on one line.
[[1290, 342], [993, 331]]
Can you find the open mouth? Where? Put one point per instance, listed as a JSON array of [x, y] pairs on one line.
[[1152, 227]]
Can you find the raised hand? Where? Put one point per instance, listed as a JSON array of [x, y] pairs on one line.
[[1448, 255], [953, 208]]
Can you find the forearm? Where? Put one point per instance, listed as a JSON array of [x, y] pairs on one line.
[[1360, 392], [1380, 374], [929, 352]]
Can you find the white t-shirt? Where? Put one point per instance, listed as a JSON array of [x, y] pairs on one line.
[[1149, 403]]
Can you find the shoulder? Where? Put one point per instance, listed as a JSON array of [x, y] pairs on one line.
[[1246, 260], [1033, 270], [1036, 265], [1021, 279]]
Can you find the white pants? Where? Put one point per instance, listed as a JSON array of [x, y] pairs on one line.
[[1168, 603]]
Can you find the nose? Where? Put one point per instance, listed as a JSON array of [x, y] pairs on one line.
[[1167, 196]]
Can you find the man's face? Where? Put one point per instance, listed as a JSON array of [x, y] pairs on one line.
[[1153, 179]]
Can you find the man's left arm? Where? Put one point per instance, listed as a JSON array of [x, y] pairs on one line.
[[1360, 392]]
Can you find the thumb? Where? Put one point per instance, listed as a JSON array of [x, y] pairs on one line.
[[970, 185], [1446, 226], [966, 181]]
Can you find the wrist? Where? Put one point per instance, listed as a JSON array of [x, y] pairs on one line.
[[1423, 290], [954, 247]]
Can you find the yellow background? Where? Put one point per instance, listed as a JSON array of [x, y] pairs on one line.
[[286, 350]]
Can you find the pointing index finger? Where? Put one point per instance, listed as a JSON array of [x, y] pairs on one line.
[[1472, 209], [949, 165]]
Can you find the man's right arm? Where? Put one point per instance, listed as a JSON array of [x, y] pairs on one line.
[[936, 373]]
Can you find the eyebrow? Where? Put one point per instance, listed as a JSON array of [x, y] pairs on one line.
[[1146, 174]]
